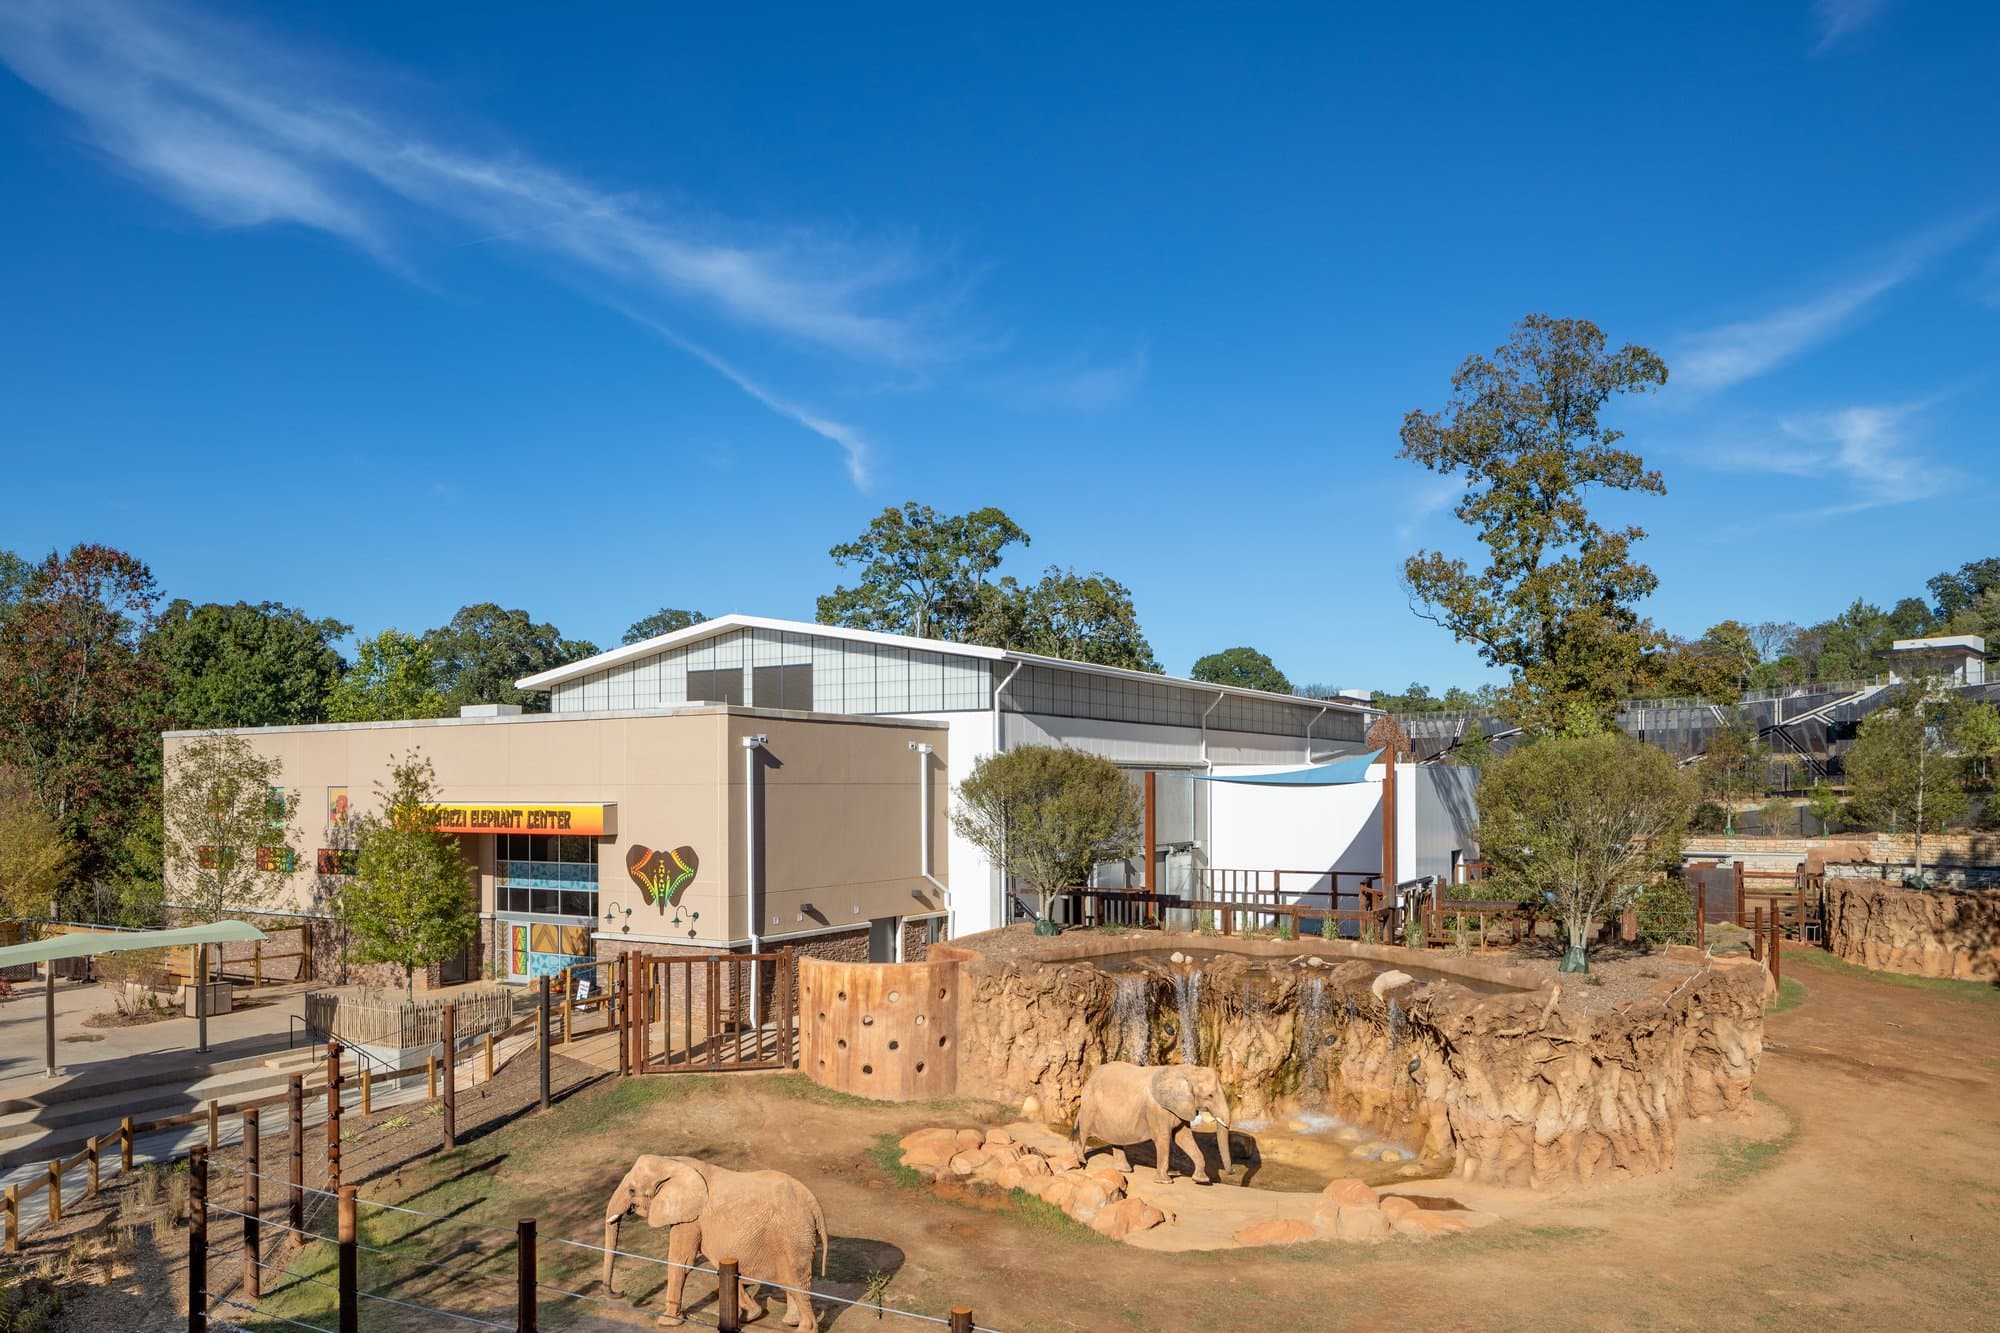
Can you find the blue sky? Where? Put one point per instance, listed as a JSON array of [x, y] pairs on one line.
[[379, 309]]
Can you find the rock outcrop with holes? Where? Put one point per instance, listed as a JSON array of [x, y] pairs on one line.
[[1918, 932], [1519, 1088]]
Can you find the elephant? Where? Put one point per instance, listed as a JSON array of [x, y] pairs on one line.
[[765, 1220], [1127, 1103]]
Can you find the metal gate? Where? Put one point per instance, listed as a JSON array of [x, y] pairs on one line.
[[696, 1013]]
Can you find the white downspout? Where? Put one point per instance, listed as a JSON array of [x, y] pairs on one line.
[[752, 744], [1000, 890], [1208, 794], [1309, 733], [926, 863]]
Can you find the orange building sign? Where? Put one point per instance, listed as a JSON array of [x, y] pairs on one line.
[[587, 821]]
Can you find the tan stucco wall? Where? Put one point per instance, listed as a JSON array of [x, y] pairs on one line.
[[840, 823]]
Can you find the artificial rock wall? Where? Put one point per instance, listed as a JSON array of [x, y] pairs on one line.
[[1920, 932], [1520, 1088]]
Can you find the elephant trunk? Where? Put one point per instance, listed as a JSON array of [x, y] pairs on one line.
[[610, 1251]]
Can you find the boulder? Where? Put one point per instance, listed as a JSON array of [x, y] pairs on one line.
[[966, 1163], [1389, 981], [1349, 1192], [969, 1139], [1007, 1177], [1122, 1218], [1359, 1222], [1395, 1205], [1276, 1231], [998, 1138], [1057, 1191], [929, 1150], [1113, 1180], [1065, 1160], [1033, 1164]]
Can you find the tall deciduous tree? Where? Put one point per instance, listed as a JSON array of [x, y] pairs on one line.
[[1243, 667], [1046, 816], [1582, 823], [244, 665], [663, 621], [411, 899], [1729, 768], [35, 857], [1077, 617], [920, 572], [1976, 736], [1961, 589], [487, 647], [1901, 771], [227, 820], [394, 676], [79, 703], [1556, 599]]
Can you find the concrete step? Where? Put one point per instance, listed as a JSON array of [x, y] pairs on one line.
[[45, 1132]]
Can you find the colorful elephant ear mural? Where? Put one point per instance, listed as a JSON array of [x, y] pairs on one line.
[[663, 876]]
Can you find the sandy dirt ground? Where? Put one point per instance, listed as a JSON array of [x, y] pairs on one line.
[[1864, 1192]]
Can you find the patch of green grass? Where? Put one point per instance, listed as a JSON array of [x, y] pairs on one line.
[[1972, 992], [1791, 994], [887, 1156], [1738, 1159], [1041, 1215], [800, 1088]]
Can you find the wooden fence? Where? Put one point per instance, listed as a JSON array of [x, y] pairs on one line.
[[365, 1018]]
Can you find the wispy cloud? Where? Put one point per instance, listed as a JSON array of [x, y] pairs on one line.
[[1079, 387], [1864, 450], [1731, 353], [242, 134], [1426, 499], [1838, 20]]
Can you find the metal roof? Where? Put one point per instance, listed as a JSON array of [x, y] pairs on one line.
[[82, 944], [725, 624]]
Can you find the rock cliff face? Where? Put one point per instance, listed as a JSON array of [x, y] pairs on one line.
[[1923, 933], [1518, 1087]]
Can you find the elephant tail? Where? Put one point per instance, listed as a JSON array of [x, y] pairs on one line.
[[819, 1223]]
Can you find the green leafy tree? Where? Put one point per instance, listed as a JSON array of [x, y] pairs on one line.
[[1779, 817], [228, 828], [411, 899], [241, 665], [1046, 816], [487, 647], [921, 572], [1555, 601], [1583, 824], [35, 857], [394, 676], [1824, 802], [80, 706], [663, 621], [1981, 617], [1900, 769], [1729, 768], [1077, 617], [1960, 590], [1976, 736], [1243, 667]]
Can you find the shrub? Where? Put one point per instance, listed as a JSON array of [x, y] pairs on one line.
[[1708, 817], [1665, 909]]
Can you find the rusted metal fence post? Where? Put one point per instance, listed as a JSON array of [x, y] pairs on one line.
[[348, 1277], [622, 975], [486, 1058], [295, 1106], [55, 1190], [367, 1088], [125, 1137], [333, 1116], [13, 1207], [728, 1296], [542, 1041], [525, 1311], [961, 1319], [214, 1124], [90, 1163], [197, 1273], [568, 1008], [448, 1035], [252, 1218], [430, 1078]]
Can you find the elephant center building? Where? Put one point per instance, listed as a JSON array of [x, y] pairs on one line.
[[749, 783]]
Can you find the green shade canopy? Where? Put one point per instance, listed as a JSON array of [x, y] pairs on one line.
[[87, 944]]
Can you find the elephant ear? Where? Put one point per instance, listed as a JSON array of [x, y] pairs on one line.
[[679, 1197], [1172, 1090]]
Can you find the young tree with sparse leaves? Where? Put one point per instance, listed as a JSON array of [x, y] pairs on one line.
[[411, 901], [227, 828], [1729, 768], [1046, 816], [1901, 770], [1583, 824], [1555, 601]]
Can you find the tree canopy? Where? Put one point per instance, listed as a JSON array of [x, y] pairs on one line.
[[1901, 770], [1556, 599], [663, 621], [228, 828], [1077, 617], [486, 647], [412, 900], [920, 572], [35, 857], [1243, 667], [245, 665], [394, 676]]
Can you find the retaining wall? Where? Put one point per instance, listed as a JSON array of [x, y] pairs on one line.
[[1919, 932]]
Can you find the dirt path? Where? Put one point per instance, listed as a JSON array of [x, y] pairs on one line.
[[1865, 1192]]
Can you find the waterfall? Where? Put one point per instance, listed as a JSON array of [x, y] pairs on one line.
[[1312, 1032], [1187, 999], [1129, 1022]]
